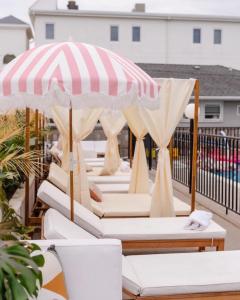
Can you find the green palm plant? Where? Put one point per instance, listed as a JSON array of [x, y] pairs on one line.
[[20, 277], [14, 165]]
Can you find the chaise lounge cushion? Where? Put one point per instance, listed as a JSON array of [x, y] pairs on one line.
[[53, 197], [132, 205], [185, 273], [58, 177], [56, 226], [125, 205], [157, 229]]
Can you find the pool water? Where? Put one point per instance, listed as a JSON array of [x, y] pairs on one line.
[[233, 175]]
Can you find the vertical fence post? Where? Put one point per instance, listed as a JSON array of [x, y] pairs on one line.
[[195, 146], [27, 149]]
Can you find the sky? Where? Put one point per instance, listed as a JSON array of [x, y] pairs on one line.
[[19, 8]]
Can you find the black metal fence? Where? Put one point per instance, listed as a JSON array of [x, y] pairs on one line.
[[218, 166], [228, 131]]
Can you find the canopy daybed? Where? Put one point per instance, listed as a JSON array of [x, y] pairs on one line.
[[195, 276], [115, 204], [135, 233]]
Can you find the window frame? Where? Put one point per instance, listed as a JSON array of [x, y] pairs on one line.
[[48, 38], [200, 36], [220, 104], [136, 26], [214, 31], [238, 110], [116, 26]]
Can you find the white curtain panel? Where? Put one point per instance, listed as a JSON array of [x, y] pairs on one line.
[[140, 178], [84, 121], [112, 123], [161, 123]]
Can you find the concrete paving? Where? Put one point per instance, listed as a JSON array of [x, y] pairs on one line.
[[229, 222]]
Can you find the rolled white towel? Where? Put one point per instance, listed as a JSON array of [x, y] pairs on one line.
[[124, 167], [199, 220]]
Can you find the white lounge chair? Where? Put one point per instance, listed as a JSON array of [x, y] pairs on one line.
[[135, 232], [209, 275], [116, 204]]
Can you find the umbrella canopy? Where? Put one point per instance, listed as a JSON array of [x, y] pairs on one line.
[[77, 75]]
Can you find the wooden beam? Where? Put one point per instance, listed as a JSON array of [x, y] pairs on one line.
[[27, 149], [131, 146], [71, 165], [195, 146]]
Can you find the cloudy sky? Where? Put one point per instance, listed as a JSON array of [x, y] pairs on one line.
[[19, 8]]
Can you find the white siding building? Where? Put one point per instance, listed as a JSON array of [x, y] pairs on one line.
[[14, 37], [142, 36]]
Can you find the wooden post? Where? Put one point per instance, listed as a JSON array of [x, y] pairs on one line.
[[195, 146], [131, 146], [27, 149], [71, 165], [171, 151]]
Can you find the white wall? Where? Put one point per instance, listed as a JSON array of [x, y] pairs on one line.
[[12, 41], [162, 41], [97, 32]]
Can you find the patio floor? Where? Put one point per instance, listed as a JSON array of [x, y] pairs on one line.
[[233, 229]]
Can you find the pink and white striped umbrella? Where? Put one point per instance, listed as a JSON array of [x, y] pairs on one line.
[[75, 74]]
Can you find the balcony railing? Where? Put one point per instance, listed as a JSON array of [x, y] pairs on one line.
[[218, 165]]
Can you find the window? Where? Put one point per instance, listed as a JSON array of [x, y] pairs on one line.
[[238, 110], [213, 112], [217, 36], [136, 34], [114, 33], [49, 31], [196, 35]]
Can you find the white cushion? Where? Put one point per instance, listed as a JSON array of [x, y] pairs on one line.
[[56, 199], [110, 179], [56, 226], [167, 274], [157, 228], [92, 268], [129, 277], [181, 208], [97, 159], [119, 188], [95, 163], [132, 205], [58, 177], [126, 205]]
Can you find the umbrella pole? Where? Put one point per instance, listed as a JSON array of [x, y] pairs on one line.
[[71, 164], [195, 146], [36, 143], [27, 149]]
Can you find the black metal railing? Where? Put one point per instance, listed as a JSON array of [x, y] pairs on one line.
[[218, 166], [228, 131]]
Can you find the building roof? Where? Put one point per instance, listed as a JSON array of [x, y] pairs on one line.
[[11, 20], [15, 22], [214, 80], [226, 12]]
